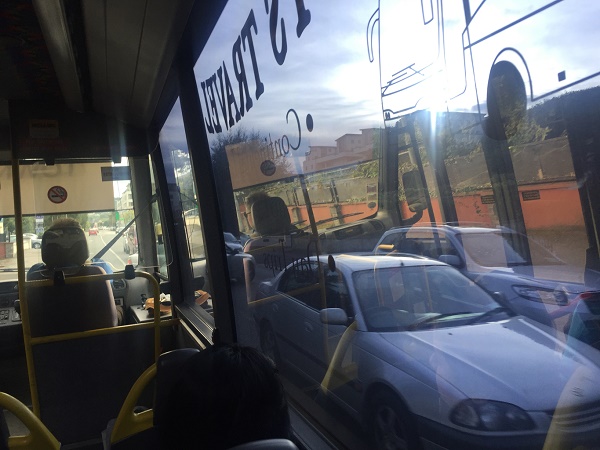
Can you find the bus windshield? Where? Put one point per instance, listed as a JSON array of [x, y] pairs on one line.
[[98, 195]]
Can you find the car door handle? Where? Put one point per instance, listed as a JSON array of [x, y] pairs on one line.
[[275, 307], [308, 327]]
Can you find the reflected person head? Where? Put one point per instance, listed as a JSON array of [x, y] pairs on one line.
[[226, 395]]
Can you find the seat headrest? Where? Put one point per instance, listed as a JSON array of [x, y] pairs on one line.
[[64, 247], [168, 366], [271, 216]]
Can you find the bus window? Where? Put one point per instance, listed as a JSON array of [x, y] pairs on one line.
[[440, 151], [119, 222], [184, 204]]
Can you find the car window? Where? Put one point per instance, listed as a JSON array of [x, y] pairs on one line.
[[301, 282], [420, 243], [491, 250], [336, 292], [402, 296], [429, 247]]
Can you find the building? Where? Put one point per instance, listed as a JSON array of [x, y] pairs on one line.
[[349, 149]]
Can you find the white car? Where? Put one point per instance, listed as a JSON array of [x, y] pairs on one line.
[[12, 237], [421, 355]]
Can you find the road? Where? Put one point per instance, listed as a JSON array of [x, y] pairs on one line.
[[115, 255]]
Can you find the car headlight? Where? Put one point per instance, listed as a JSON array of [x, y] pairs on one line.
[[544, 295], [489, 415]]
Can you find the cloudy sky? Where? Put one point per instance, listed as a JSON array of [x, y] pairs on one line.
[[326, 72], [333, 87]]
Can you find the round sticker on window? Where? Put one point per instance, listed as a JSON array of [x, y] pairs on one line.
[[268, 167]]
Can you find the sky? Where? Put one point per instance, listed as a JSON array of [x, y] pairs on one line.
[[326, 86]]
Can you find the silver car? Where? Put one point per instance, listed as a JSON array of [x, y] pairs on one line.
[[421, 355], [534, 282]]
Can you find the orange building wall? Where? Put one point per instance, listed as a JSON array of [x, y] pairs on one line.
[[558, 206]]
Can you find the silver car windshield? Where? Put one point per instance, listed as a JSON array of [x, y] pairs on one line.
[[402, 298]]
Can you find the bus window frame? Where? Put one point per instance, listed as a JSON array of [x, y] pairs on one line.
[[208, 207]]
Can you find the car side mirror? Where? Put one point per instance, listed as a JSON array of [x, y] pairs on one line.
[[334, 316], [451, 260], [506, 101], [500, 297], [414, 191]]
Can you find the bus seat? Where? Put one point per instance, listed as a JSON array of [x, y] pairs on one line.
[[135, 429], [271, 217], [74, 307], [39, 438], [167, 368], [82, 382]]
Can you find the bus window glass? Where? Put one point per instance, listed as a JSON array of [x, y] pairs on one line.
[[184, 205], [101, 197], [116, 221], [453, 140], [162, 247]]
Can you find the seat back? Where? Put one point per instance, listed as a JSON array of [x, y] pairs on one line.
[[131, 429], [271, 217], [80, 379], [68, 308], [167, 368], [83, 382]]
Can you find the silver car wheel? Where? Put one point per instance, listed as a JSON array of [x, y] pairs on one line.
[[392, 424], [268, 343]]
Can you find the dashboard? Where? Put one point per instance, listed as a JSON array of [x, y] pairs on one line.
[[11, 332], [8, 294]]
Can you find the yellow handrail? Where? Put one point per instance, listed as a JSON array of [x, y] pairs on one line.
[[129, 422], [39, 437]]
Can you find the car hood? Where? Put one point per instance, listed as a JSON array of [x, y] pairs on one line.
[[512, 361]]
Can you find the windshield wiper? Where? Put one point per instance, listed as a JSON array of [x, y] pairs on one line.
[[110, 243], [491, 313], [431, 319]]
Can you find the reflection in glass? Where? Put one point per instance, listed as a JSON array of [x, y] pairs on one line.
[[433, 132]]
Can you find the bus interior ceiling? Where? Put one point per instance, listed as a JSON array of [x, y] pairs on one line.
[[106, 60]]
